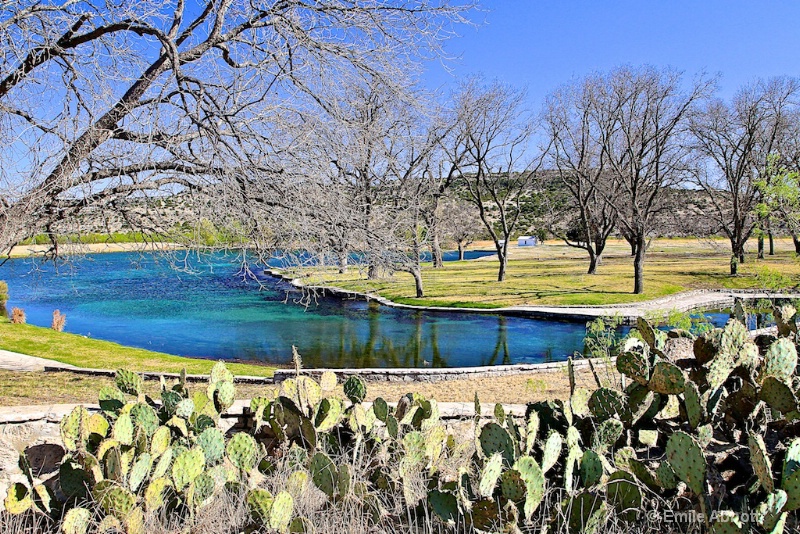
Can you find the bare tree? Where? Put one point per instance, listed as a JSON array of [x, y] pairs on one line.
[[647, 151], [490, 150], [737, 139], [148, 99], [460, 223], [576, 130]]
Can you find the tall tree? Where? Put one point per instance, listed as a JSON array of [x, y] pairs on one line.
[[647, 152], [491, 152], [576, 131], [737, 139], [147, 98]]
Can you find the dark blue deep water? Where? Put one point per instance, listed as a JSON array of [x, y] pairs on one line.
[[141, 300]]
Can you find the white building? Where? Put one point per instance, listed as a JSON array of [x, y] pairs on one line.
[[527, 241]]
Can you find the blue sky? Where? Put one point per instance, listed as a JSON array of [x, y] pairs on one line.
[[541, 44]]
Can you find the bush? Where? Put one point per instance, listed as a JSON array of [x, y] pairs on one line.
[[59, 321], [704, 432], [17, 316], [3, 293]]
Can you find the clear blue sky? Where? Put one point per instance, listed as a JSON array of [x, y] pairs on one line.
[[540, 44]]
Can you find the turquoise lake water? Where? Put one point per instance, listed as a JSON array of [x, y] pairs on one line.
[[214, 312]]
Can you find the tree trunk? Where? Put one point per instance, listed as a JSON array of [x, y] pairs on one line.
[[436, 252], [736, 256], [771, 244], [761, 246], [418, 282], [372, 272], [592, 261], [638, 265], [342, 262], [460, 251], [796, 244], [502, 255]]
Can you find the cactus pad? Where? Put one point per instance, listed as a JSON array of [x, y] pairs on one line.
[[187, 466], [667, 379], [780, 360], [607, 434], [624, 495], [355, 389], [280, 513], [760, 461], [695, 412], [494, 438], [444, 505], [324, 473], [512, 485], [381, 409], [129, 382], [591, 468], [76, 521], [144, 417], [778, 395], [139, 471], [633, 361], [123, 429], [18, 499], [534, 480], [117, 501], [242, 450], [491, 472], [213, 444], [552, 450], [259, 503], [606, 403], [154, 495], [687, 461]]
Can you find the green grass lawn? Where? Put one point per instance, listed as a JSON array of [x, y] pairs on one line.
[[554, 274], [97, 354]]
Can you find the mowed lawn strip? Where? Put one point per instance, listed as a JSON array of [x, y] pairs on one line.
[[554, 274], [98, 354]]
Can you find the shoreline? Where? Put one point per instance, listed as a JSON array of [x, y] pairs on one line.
[[72, 249], [684, 301]]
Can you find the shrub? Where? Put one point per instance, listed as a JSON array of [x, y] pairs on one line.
[[17, 316], [704, 433], [59, 321], [3, 293]]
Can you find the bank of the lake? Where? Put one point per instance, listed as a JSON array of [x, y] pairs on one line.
[[82, 351]]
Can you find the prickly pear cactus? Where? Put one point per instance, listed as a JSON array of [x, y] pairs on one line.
[[355, 389], [534, 480], [634, 361], [780, 361], [129, 382], [324, 474], [491, 473], [606, 403], [495, 439], [667, 379], [242, 451], [686, 458]]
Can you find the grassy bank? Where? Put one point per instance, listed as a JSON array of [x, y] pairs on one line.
[[94, 353], [555, 274]]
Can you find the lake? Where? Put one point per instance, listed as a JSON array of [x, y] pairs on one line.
[[214, 312]]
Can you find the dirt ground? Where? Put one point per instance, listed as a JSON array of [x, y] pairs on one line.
[[31, 388]]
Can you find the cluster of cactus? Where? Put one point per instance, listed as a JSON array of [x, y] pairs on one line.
[[705, 423], [140, 456]]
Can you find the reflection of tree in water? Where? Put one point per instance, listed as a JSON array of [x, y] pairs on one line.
[[378, 350], [548, 356], [502, 344]]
